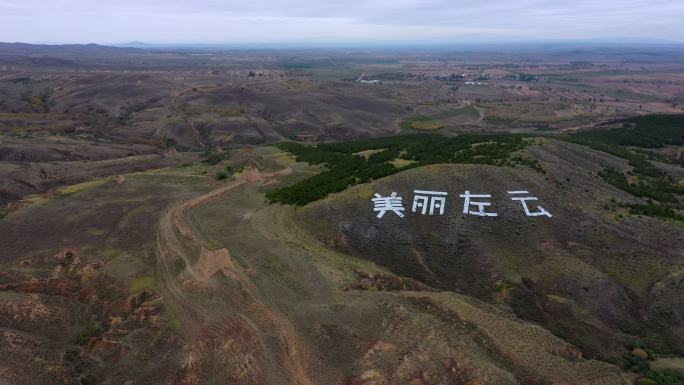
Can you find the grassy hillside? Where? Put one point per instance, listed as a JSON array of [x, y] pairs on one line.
[[586, 273], [351, 163], [346, 166], [648, 131], [645, 179]]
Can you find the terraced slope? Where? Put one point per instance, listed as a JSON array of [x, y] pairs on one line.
[[591, 273]]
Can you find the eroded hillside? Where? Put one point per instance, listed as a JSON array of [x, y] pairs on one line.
[[200, 277]]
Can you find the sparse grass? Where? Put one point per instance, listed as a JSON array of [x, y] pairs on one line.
[[468, 110], [367, 153], [220, 111], [96, 231], [176, 325], [73, 189], [189, 179], [109, 253], [649, 375], [136, 212], [6, 296], [432, 122], [645, 180], [401, 163], [427, 125], [674, 363], [140, 283], [86, 333], [214, 157], [408, 123], [538, 113]]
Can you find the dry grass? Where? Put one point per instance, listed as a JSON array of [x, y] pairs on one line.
[[526, 345], [367, 154], [399, 163], [668, 363], [427, 125]]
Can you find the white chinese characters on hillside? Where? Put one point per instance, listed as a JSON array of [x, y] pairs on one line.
[[391, 203], [480, 205], [517, 196], [436, 199], [427, 202]]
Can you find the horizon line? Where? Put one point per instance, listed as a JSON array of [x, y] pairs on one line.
[[365, 44]]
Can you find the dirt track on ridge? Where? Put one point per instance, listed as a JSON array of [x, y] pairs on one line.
[[283, 356]]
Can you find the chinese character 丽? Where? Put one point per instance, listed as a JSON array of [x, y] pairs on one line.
[[436, 199]]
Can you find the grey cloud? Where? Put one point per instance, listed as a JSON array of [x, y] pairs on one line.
[[270, 20]]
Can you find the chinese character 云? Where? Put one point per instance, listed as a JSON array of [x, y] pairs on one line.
[[481, 205], [437, 200], [391, 203], [518, 196]]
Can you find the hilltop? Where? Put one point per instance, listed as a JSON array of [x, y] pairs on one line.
[[595, 274]]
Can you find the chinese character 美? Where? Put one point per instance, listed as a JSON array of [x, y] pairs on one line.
[[390, 203], [523, 200], [436, 198], [481, 205]]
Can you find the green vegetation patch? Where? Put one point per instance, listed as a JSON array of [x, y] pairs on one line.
[[431, 122], [654, 210], [408, 123], [659, 189], [214, 157], [465, 111], [140, 283], [76, 188], [648, 131], [650, 376], [345, 168], [644, 180]]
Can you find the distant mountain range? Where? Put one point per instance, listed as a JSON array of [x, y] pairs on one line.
[[47, 49], [473, 43]]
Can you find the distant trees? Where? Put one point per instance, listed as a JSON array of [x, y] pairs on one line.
[[214, 157], [630, 142], [648, 376], [648, 131], [344, 168]]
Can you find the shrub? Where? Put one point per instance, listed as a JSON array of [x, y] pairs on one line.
[[213, 157]]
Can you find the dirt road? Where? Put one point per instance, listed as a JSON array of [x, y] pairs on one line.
[[264, 346]]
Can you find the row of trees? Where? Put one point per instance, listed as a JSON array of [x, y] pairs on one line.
[[631, 142], [648, 131], [345, 168]]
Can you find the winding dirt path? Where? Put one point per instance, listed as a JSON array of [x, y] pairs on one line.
[[274, 336]]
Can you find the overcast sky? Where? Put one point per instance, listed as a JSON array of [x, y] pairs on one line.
[[250, 21]]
